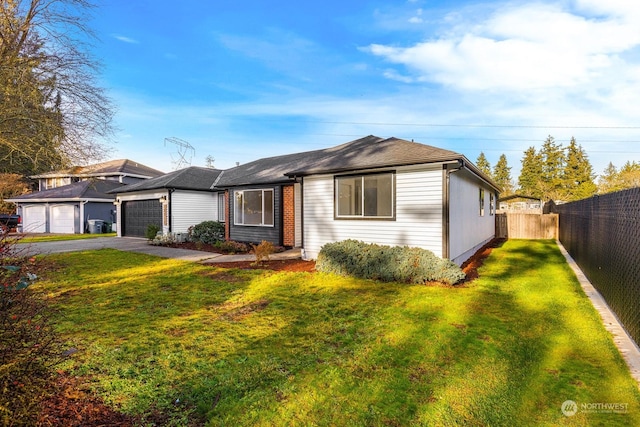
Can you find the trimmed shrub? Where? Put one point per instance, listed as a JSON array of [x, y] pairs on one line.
[[207, 232], [152, 231], [386, 263]]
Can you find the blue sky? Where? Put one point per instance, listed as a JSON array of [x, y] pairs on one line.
[[244, 80]]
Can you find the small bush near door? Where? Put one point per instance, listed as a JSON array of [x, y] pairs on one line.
[[207, 232], [386, 263], [152, 231]]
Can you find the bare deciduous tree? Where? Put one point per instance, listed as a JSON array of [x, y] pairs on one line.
[[52, 111]]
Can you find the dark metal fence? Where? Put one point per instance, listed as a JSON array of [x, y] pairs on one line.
[[602, 234]]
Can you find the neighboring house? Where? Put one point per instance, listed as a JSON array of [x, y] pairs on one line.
[[387, 191], [123, 171], [69, 198], [174, 202], [67, 209], [520, 203]]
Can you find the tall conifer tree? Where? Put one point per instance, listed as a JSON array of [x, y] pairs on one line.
[[483, 164], [553, 160], [502, 176], [530, 173], [578, 173]]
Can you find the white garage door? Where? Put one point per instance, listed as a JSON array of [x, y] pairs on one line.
[[62, 219], [34, 219]]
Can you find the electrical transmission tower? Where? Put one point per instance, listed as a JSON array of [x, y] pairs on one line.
[[184, 155]]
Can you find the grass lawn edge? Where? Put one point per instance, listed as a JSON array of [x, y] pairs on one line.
[[624, 343]]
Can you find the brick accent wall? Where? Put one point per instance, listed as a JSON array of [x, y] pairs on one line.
[[227, 215], [288, 216]]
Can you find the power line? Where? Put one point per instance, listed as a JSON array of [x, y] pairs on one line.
[[469, 125]]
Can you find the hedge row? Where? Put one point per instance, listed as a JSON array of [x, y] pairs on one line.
[[386, 263]]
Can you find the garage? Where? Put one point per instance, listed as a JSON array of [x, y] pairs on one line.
[[138, 214], [62, 219], [34, 219]]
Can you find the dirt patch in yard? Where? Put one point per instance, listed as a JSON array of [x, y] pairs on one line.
[[277, 265], [470, 266], [70, 403]]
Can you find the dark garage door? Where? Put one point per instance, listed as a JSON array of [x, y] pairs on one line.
[[138, 214]]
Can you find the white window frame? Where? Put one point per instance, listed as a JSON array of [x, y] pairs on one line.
[[481, 200], [492, 204], [262, 222], [336, 198]]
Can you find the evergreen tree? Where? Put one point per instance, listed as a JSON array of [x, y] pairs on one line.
[[502, 176], [553, 161], [629, 175], [616, 180], [483, 164], [578, 174], [609, 181], [530, 173]]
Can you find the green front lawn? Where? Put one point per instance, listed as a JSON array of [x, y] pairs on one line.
[[239, 348], [35, 238]]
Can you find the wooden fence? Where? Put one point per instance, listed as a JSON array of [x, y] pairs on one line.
[[526, 226]]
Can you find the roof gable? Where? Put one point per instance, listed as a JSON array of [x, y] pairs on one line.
[[124, 167], [89, 189]]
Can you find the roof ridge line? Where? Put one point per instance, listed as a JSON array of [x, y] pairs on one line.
[[217, 180]]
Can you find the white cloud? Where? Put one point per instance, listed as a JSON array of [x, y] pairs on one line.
[[417, 19], [125, 39], [522, 48]]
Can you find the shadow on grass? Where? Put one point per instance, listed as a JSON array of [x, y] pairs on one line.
[[280, 348]]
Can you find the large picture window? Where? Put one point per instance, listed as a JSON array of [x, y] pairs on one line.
[[253, 207], [365, 196]]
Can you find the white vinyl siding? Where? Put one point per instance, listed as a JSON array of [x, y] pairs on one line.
[[469, 230], [190, 208], [418, 213]]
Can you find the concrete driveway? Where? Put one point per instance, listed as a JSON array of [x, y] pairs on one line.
[[132, 244], [128, 244]]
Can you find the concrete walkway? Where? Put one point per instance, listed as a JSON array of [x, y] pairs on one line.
[[132, 244], [626, 345]]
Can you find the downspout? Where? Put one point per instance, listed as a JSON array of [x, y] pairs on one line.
[[281, 222], [302, 251], [171, 190], [84, 227], [446, 196]]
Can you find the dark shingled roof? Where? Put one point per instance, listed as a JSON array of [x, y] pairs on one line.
[[89, 189], [373, 152], [365, 153], [112, 167], [191, 178]]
